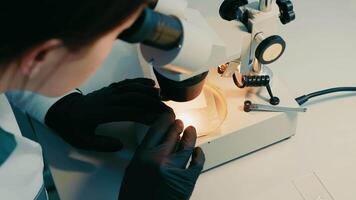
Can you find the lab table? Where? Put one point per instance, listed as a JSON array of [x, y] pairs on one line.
[[319, 160]]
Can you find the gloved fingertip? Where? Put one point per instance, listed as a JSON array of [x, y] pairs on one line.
[[179, 125], [157, 131], [169, 115], [172, 137], [198, 158], [191, 131], [169, 111]]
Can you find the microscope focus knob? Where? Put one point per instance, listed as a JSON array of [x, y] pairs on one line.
[[228, 9], [286, 10], [270, 49]]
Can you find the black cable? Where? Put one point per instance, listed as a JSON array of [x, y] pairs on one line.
[[303, 99]]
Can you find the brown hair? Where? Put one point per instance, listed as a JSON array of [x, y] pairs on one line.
[[25, 23]]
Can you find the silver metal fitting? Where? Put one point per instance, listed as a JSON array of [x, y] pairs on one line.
[[265, 5]]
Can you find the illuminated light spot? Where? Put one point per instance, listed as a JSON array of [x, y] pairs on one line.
[[206, 113]]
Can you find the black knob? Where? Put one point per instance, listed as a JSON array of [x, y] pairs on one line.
[[274, 101], [287, 12], [247, 106], [270, 49], [229, 7]]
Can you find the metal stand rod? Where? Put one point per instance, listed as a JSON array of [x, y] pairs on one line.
[[273, 100]]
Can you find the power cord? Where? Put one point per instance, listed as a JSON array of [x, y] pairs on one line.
[[303, 99]]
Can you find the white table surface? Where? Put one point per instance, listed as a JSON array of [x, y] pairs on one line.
[[320, 54]]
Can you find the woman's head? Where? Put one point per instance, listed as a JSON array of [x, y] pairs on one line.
[[52, 46]]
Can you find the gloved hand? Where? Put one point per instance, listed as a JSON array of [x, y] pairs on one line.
[[76, 116], [158, 170]]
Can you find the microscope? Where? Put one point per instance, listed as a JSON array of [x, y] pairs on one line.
[[212, 66]]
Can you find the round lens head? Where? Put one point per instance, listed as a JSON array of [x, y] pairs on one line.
[[270, 49]]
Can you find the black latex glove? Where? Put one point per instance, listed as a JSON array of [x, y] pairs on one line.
[[76, 116], [158, 170]]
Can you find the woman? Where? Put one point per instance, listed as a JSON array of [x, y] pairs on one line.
[[51, 47]]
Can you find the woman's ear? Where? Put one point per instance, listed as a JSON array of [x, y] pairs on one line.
[[32, 60]]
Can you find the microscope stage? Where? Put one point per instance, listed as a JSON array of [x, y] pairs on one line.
[[242, 133]]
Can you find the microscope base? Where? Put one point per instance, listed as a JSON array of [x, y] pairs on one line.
[[243, 133]]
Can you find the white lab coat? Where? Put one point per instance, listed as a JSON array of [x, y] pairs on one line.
[[21, 173]]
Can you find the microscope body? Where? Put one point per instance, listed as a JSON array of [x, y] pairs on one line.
[[232, 46]]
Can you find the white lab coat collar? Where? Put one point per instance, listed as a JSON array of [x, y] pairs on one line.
[[7, 117], [21, 175]]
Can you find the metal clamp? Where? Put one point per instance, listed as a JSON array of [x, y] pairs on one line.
[[249, 107]]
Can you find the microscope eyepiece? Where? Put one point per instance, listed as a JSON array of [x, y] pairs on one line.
[[163, 43], [228, 8], [156, 30]]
